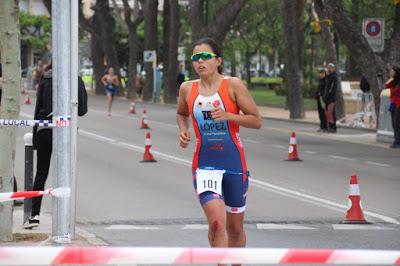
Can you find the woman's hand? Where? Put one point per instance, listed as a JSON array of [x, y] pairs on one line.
[[218, 114], [184, 139]]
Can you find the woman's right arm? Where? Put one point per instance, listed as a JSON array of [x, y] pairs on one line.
[[182, 116], [389, 83], [104, 80]]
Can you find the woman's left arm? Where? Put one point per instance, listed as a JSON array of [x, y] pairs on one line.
[[251, 117], [116, 80]]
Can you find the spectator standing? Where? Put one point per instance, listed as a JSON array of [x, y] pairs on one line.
[[323, 126], [394, 85], [330, 97]]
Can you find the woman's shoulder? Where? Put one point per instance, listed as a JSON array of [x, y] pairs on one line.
[[236, 83]]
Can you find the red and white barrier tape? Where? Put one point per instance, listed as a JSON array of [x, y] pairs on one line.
[[129, 256], [61, 192], [58, 121]]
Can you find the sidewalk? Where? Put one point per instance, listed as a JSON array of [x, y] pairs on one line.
[[41, 236], [311, 117]]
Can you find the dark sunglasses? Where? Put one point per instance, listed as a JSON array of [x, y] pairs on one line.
[[203, 56]]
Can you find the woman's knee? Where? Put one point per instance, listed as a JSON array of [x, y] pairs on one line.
[[235, 230]]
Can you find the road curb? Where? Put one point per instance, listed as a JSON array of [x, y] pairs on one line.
[[92, 239]]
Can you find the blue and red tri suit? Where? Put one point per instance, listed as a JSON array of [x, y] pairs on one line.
[[218, 146]]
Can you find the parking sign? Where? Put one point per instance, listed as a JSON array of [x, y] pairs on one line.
[[149, 55], [373, 31]]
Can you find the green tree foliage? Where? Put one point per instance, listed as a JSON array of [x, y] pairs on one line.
[[35, 30]]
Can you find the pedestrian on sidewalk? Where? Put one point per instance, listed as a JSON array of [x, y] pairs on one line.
[[219, 170], [330, 97], [111, 82], [323, 126], [394, 85], [43, 136]]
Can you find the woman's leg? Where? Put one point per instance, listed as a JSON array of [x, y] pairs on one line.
[[234, 227], [44, 148], [396, 126], [109, 103], [216, 217]]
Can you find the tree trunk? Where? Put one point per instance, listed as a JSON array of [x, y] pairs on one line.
[[392, 51], [171, 84], [369, 63], [108, 38], [150, 43], [98, 63], [96, 47], [133, 59], [221, 25], [9, 109], [292, 57], [133, 45], [166, 33], [331, 56], [248, 65]]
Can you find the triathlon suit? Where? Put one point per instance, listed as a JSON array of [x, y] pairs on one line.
[[218, 147], [110, 88]]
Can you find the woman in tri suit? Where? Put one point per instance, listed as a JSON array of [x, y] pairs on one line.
[[110, 81], [220, 174]]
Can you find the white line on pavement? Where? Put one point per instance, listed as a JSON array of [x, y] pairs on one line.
[[258, 183], [278, 146], [341, 158], [131, 227], [138, 117], [195, 227], [379, 164], [251, 141], [271, 226], [310, 152], [359, 227]]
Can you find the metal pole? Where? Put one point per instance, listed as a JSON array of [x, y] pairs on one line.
[[28, 174], [74, 107], [154, 77], [61, 106]]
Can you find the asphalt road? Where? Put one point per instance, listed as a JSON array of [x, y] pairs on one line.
[[290, 204]]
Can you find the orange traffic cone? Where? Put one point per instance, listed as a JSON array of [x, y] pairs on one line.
[[144, 123], [27, 100], [147, 156], [132, 110], [293, 156], [354, 214]]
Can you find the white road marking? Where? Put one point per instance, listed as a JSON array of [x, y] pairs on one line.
[[138, 117], [195, 227], [359, 227], [131, 227], [366, 135], [271, 226], [257, 183], [341, 158], [278, 146], [310, 152], [379, 164], [251, 141]]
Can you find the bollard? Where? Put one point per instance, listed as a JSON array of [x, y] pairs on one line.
[[28, 173], [385, 129]]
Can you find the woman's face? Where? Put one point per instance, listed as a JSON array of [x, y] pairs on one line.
[[206, 67], [111, 71], [322, 75], [392, 73]]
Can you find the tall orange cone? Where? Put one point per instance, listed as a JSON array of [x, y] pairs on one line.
[[144, 124], [132, 110], [147, 156], [292, 155], [27, 100], [354, 213]]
